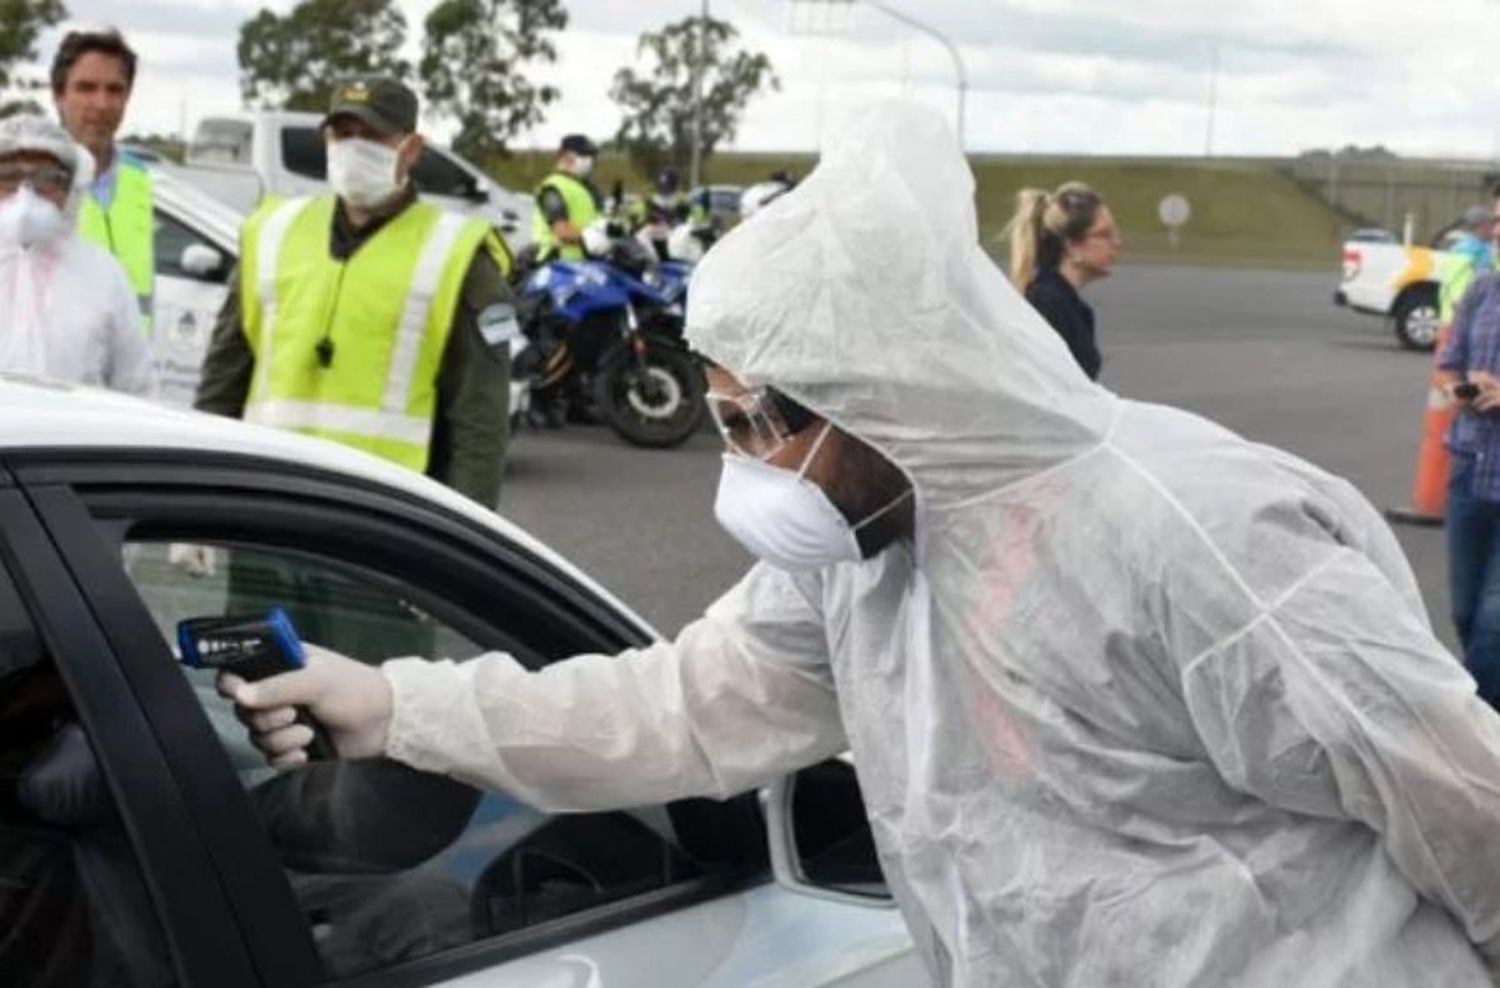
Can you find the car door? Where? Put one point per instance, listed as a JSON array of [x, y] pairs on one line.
[[421, 879], [104, 876], [189, 296]]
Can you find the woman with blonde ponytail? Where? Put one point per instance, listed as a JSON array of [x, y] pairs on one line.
[[1059, 242]]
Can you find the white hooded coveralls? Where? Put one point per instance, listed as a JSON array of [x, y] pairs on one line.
[[1146, 704], [67, 311]]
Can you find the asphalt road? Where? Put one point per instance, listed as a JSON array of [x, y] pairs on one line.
[[1264, 353]]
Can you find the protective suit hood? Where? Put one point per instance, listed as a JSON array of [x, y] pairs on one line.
[[864, 294], [28, 132]]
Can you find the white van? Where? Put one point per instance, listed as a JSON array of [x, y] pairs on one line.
[[245, 157]]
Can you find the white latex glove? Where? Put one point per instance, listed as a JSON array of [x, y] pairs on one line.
[[197, 561], [352, 700]]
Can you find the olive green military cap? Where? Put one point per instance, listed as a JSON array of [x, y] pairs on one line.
[[380, 101]]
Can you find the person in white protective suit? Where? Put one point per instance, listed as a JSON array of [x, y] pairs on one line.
[[1132, 700], [67, 310]]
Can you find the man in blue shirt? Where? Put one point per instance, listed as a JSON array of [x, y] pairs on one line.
[[1470, 369]]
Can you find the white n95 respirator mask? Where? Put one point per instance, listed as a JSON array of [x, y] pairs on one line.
[[363, 172], [27, 220], [783, 518]]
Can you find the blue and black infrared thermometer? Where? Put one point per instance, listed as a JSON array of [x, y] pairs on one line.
[[251, 648]]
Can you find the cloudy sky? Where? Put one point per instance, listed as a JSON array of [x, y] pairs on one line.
[[1080, 76]]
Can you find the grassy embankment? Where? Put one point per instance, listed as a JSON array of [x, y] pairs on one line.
[[1245, 213]]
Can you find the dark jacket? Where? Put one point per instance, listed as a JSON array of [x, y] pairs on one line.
[[1060, 304]]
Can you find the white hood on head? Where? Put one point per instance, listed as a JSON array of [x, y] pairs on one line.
[[29, 132], [864, 294]]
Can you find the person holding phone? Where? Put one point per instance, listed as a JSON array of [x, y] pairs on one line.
[[1470, 367]]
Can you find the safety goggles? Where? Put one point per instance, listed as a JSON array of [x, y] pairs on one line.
[[758, 423], [44, 179]]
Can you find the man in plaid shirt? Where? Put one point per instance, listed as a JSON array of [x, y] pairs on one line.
[[1470, 363]]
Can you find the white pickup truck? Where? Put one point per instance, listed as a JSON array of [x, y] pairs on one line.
[[1385, 278], [243, 158]]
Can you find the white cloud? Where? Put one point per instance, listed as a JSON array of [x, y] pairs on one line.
[[1045, 75]]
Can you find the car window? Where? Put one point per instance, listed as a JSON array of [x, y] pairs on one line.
[[303, 153], [171, 239], [74, 906], [388, 863], [438, 175], [225, 142]]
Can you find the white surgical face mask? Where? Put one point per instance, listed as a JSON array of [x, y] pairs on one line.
[[785, 519], [583, 166], [363, 172], [27, 220]]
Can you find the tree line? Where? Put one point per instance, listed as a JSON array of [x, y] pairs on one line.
[[476, 68]]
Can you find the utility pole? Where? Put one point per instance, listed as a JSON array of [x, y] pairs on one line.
[[1213, 101]]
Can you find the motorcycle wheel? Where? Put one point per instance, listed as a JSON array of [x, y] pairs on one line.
[[657, 402]]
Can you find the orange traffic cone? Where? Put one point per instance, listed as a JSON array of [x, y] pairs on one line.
[[1429, 489]]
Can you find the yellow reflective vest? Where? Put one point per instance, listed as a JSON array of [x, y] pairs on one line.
[[127, 229], [582, 210], [350, 349], [1456, 272]]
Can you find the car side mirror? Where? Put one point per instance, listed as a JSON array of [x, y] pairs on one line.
[[819, 836], [477, 194], [201, 261]]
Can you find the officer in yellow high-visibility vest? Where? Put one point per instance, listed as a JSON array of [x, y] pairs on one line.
[[368, 317], [567, 202], [93, 74]]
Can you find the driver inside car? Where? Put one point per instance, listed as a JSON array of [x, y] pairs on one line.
[[75, 905], [1131, 699]]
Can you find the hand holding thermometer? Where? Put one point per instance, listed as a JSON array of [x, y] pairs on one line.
[[252, 648]]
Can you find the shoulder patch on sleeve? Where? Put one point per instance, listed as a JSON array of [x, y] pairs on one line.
[[498, 324]]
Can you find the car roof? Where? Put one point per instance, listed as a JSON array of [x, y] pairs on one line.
[[184, 200], [49, 416]]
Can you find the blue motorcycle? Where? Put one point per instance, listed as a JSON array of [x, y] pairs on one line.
[[605, 342]]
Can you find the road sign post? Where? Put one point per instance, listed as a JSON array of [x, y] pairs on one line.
[[1174, 212]]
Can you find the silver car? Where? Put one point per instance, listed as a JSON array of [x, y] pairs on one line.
[[143, 842]]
